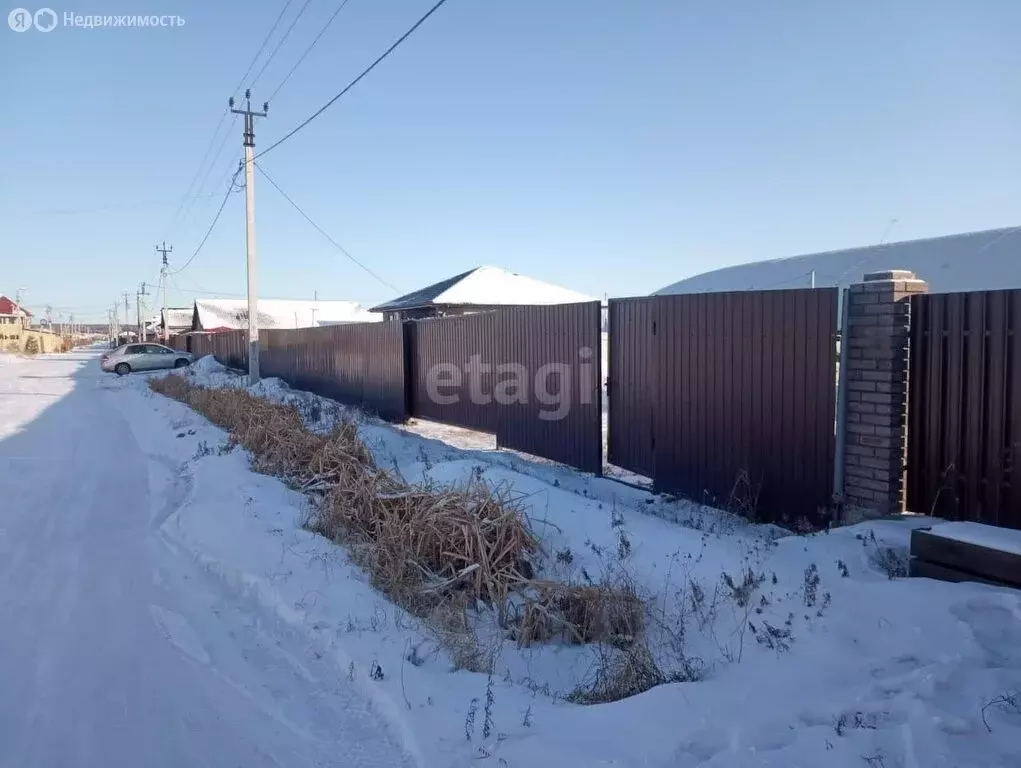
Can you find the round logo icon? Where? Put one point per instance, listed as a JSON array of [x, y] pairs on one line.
[[20, 20], [45, 19]]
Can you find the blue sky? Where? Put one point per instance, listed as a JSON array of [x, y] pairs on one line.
[[612, 147]]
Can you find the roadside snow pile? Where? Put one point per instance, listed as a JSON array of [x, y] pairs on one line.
[[767, 649], [208, 372]]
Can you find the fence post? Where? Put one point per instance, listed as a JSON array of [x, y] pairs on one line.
[[874, 347], [839, 459]]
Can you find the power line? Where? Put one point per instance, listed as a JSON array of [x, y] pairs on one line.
[[308, 50], [219, 125], [198, 172], [223, 204], [212, 166], [355, 82], [322, 232], [281, 41], [262, 47]]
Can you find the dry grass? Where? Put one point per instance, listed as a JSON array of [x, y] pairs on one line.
[[620, 674], [435, 551], [605, 613], [421, 545]]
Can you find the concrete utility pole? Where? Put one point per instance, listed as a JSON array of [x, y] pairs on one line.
[[163, 272], [127, 319], [115, 320], [253, 299], [138, 311]]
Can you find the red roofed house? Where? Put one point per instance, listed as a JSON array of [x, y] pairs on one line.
[[14, 320]]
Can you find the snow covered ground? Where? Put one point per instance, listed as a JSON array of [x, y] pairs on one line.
[[161, 605]]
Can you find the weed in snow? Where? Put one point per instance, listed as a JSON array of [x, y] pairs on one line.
[[892, 562], [1008, 702], [469, 719], [203, 449], [811, 587], [487, 720], [376, 671], [623, 544]]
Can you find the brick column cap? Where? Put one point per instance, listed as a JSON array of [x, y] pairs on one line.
[[890, 274]]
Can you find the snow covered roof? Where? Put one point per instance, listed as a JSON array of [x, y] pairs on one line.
[[485, 286], [178, 317], [972, 261], [279, 313]]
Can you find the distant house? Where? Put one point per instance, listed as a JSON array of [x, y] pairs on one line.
[[14, 320], [213, 315], [175, 320], [477, 290], [973, 261]]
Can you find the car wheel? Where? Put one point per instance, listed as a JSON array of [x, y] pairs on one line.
[[181, 363], [122, 369]]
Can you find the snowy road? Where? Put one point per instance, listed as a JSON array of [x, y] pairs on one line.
[[116, 649]]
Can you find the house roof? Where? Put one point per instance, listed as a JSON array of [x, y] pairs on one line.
[[965, 262], [8, 307], [484, 286], [178, 317], [279, 313]]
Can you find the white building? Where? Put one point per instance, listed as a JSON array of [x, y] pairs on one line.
[[276, 314]]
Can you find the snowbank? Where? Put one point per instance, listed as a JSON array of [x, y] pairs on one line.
[[822, 658]]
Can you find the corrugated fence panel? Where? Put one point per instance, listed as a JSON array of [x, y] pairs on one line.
[[451, 378], [728, 398], [964, 408], [548, 383], [630, 385], [361, 364]]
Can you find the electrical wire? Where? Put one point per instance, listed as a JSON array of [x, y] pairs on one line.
[[209, 169], [212, 141], [280, 42], [198, 172], [308, 50], [209, 231], [261, 47], [322, 232], [354, 82]]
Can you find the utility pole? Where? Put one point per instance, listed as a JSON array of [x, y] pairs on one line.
[[18, 295], [127, 318], [163, 272], [813, 278], [138, 311], [70, 319], [253, 299]]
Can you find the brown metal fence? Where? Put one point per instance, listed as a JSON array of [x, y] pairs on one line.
[[360, 364], [228, 347], [555, 352], [530, 375], [728, 397], [179, 342], [964, 406], [630, 385], [447, 357]]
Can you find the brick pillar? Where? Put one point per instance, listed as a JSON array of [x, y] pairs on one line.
[[876, 355]]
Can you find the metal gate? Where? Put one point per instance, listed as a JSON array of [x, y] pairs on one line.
[[728, 398], [964, 406]]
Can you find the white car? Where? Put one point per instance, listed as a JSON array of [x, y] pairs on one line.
[[144, 357]]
